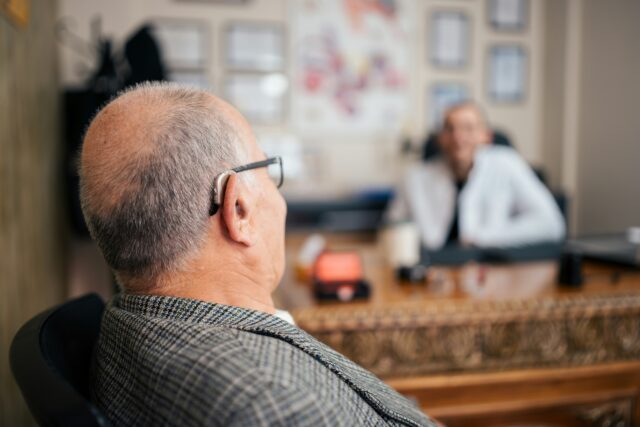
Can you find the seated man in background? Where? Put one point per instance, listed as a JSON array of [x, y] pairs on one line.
[[177, 195], [476, 193]]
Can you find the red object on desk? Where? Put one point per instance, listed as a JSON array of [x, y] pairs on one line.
[[338, 267], [339, 275]]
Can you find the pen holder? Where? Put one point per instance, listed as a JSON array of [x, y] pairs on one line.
[[570, 271], [413, 274]]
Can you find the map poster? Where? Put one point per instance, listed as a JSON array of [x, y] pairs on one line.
[[351, 65]]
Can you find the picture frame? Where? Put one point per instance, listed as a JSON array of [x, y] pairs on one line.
[[254, 46], [441, 96], [184, 43], [507, 73], [508, 15], [260, 97], [450, 39]]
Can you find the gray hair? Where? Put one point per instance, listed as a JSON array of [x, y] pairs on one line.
[[161, 214]]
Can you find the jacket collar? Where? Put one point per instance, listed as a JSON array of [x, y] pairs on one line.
[[362, 381]]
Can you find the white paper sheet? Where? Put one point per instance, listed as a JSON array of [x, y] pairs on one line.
[[449, 39], [508, 66]]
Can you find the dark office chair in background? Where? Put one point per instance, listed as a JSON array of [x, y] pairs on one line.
[[50, 359], [432, 149]]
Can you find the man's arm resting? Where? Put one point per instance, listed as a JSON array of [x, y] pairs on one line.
[[538, 217]]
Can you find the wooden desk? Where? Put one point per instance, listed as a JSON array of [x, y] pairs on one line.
[[488, 345]]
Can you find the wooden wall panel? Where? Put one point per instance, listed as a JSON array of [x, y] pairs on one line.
[[32, 226]]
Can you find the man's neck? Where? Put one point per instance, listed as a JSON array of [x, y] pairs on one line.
[[461, 171], [227, 284]]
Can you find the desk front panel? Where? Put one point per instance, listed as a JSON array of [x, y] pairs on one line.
[[488, 345], [475, 318]]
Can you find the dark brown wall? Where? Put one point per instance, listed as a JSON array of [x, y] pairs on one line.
[[32, 233]]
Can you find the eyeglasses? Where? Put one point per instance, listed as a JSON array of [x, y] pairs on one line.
[[274, 165]]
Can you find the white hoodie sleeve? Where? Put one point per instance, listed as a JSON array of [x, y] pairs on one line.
[[398, 209], [535, 216], [425, 197]]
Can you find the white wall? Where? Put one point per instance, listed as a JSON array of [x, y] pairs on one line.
[[608, 175], [344, 165], [121, 17], [591, 120]]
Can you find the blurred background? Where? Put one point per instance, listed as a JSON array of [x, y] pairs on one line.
[[347, 91]]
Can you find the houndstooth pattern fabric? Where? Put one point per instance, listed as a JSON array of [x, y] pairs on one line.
[[173, 361]]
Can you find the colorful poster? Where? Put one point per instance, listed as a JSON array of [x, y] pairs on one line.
[[351, 65]]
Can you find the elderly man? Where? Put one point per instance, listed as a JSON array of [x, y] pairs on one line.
[[476, 193], [178, 196]]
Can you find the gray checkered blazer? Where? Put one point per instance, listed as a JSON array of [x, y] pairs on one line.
[[173, 361]]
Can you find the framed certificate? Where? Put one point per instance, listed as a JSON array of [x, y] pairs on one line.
[[184, 43], [508, 15], [449, 39], [260, 97], [507, 73], [254, 46], [442, 96]]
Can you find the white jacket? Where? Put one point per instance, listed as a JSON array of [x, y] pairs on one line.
[[502, 204]]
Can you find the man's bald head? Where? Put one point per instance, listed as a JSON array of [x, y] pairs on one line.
[[147, 165], [470, 108], [464, 130]]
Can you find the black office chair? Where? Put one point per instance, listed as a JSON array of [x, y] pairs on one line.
[[432, 149], [50, 359]]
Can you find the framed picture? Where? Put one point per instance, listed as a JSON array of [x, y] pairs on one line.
[[184, 44], [441, 96], [253, 46], [450, 39], [508, 15], [507, 73], [260, 97]]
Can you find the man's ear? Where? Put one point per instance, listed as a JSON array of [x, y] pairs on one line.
[[235, 212]]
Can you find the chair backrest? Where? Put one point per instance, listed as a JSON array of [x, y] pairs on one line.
[[432, 149], [51, 359]]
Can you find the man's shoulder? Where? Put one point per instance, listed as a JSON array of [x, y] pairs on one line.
[[428, 169], [502, 160], [183, 341], [500, 154], [195, 365], [206, 368]]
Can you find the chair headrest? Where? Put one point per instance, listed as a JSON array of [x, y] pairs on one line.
[[50, 359]]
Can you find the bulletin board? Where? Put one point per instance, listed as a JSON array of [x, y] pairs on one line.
[[351, 63]]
